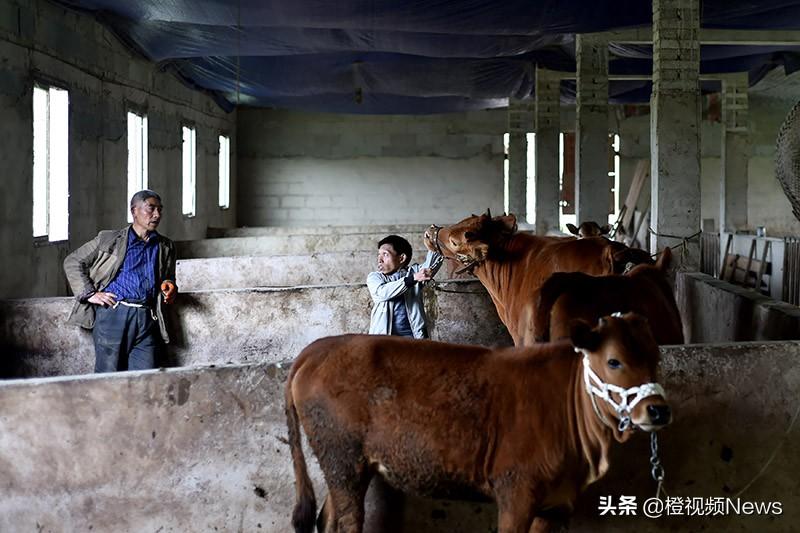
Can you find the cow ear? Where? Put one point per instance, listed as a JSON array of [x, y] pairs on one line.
[[604, 229], [583, 337], [572, 229], [507, 223]]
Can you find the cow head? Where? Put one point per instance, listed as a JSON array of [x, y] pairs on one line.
[[638, 261], [625, 258], [472, 240], [620, 371], [589, 229]]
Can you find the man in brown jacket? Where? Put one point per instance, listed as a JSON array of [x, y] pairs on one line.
[[116, 278]]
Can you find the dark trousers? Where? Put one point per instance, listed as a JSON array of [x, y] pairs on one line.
[[125, 338]]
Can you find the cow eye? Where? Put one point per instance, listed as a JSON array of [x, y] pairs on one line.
[[613, 363]]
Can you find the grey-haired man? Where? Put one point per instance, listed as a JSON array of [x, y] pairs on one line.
[[121, 279]]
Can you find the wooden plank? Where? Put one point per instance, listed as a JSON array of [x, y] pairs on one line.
[[640, 173], [736, 270], [725, 262], [731, 261], [749, 261]]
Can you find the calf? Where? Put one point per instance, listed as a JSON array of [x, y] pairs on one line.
[[644, 290], [522, 426]]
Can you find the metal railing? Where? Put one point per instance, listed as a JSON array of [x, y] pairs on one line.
[[709, 253]]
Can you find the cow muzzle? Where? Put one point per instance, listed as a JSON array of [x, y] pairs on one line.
[[432, 236], [658, 414]]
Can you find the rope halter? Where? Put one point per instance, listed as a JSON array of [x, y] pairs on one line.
[[436, 240], [467, 262], [597, 387]]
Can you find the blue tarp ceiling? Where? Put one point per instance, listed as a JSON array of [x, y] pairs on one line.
[[414, 57]]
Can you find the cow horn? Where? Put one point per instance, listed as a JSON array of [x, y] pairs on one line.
[[488, 213]]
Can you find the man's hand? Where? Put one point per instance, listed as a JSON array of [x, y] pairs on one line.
[[169, 290], [106, 299], [424, 274]]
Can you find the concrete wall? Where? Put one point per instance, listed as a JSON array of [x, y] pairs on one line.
[[264, 245], [40, 41], [263, 325], [205, 449], [284, 256], [326, 268], [717, 311], [259, 231], [313, 168]]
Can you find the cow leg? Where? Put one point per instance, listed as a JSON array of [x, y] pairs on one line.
[[347, 482], [551, 522], [515, 510], [348, 507], [326, 520], [514, 520], [384, 507]]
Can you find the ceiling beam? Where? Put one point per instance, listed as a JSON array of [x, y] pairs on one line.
[[635, 77], [714, 36]]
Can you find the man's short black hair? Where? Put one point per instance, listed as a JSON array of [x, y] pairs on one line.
[[400, 245]]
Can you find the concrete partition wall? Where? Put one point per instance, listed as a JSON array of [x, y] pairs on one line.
[[713, 310], [287, 245], [258, 231], [251, 325], [205, 449], [331, 268]]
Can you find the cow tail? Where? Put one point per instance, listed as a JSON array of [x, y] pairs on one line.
[[305, 509]]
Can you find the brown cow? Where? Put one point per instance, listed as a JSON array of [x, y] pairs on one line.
[[589, 229], [644, 290], [528, 427], [624, 256], [513, 266]]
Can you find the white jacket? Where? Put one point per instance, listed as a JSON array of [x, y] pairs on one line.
[[383, 288]]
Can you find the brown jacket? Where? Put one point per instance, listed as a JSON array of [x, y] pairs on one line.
[[94, 265]]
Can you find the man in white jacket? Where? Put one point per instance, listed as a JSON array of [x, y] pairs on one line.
[[396, 289]]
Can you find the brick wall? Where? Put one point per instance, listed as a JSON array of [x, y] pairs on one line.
[[313, 168]]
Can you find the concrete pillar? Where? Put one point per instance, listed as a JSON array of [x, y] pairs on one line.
[[675, 130], [520, 123], [591, 130], [548, 95], [735, 153]]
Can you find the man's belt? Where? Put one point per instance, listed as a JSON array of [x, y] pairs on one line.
[[138, 306]]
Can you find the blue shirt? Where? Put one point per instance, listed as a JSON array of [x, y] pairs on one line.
[[400, 323], [136, 279]]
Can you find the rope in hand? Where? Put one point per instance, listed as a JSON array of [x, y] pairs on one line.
[[438, 288]]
